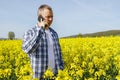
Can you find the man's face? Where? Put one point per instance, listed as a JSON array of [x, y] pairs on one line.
[[47, 15]]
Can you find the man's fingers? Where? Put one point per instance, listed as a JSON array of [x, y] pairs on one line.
[[41, 20]]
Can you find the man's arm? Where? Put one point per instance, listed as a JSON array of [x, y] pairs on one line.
[[31, 40]]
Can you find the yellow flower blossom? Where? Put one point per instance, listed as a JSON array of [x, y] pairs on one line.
[[49, 74], [88, 58]]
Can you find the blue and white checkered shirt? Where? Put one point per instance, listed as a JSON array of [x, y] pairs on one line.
[[36, 46]]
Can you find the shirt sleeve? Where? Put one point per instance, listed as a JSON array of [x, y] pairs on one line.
[[31, 40]]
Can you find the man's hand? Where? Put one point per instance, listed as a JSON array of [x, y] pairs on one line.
[[43, 23]]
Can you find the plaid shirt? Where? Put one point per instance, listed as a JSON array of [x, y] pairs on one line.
[[36, 46]]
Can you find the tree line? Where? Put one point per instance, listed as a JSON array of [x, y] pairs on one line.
[[97, 34], [103, 33]]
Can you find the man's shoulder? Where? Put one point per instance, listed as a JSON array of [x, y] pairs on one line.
[[31, 30], [52, 30]]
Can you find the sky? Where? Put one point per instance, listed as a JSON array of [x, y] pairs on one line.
[[71, 17]]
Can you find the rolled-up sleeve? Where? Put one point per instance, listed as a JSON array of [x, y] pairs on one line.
[[31, 40]]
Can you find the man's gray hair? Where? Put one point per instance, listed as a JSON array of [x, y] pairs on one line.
[[42, 7], [45, 6]]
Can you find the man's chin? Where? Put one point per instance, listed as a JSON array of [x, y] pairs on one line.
[[49, 25]]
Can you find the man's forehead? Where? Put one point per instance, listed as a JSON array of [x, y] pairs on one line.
[[46, 12], [44, 9]]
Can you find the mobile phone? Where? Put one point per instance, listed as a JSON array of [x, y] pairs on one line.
[[40, 17]]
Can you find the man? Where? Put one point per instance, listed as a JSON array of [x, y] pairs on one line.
[[41, 43]]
